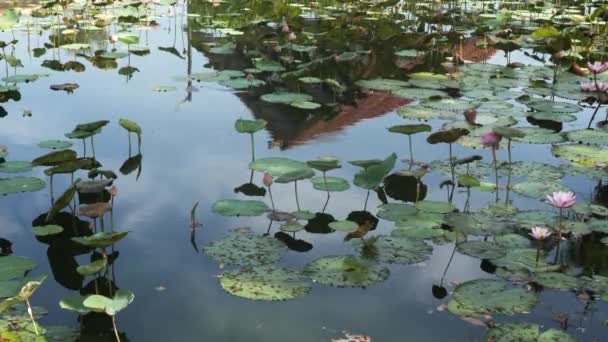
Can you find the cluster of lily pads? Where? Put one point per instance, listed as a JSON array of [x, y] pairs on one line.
[[92, 198]]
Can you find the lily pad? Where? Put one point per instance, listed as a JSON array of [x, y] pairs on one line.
[[581, 155], [525, 332], [482, 249], [291, 227], [55, 144], [20, 184], [268, 283], [588, 136], [395, 250], [484, 296], [344, 226], [396, 211], [345, 271], [553, 106], [101, 239], [435, 207], [330, 183], [556, 280], [232, 207], [12, 267], [249, 126], [47, 230], [245, 250], [15, 166], [277, 166]]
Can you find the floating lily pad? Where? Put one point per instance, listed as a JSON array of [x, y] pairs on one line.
[[447, 104], [588, 136], [538, 189], [589, 209], [55, 144], [420, 219], [396, 211], [395, 250], [92, 268], [382, 84], [15, 166], [418, 233], [518, 259], [525, 332], [291, 227], [418, 113], [536, 135], [269, 283], [249, 126], [554, 107], [482, 249], [285, 98], [47, 230], [484, 296], [20, 184], [346, 271], [303, 215], [232, 207], [557, 280], [277, 166], [435, 207], [245, 250], [582, 155]]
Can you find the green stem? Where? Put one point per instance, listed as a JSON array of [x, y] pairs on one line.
[[495, 169], [115, 329], [271, 200], [297, 200], [31, 313], [252, 148], [411, 152]]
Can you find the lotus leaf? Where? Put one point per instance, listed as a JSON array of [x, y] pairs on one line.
[[269, 283], [47, 230], [557, 280], [15, 166], [435, 207], [295, 175], [588, 136], [330, 183], [372, 176], [277, 166], [553, 107], [382, 84], [20, 184], [249, 126], [54, 158], [93, 268], [245, 250], [523, 259], [446, 104], [101, 239], [110, 306], [130, 126], [324, 164], [12, 267], [482, 249], [291, 227], [396, 211], [394, 250], [345, 271], [536, 135], [409, 129], [285, 98], [344, 226], [55, 144]]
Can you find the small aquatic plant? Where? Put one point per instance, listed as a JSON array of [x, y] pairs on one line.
[[539, 234], [492, 140]]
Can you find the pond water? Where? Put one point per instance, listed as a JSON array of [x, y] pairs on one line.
[[184, 73]]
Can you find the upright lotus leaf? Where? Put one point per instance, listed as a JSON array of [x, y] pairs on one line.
[[47, 230], [233, 207], [81, 134], [325, 163], [93, 268], [15, 166], [130, 126], [63, 201], [344, 226], [365, 164], [525, 332], [20, 184], [394, 250], [372, 177], [270, 283], [295, 175], [482, 249], [487, 296], [12, 267], [556, 280], [396, 211], [74, 304], [55, 158], [128, 38], [101, 239], [93, 186], [245, 250], [291, 227], [72, 166], [110, 306], [582, 155], [277, 166], [26, 290], [249, 126], [435, 207], [55, 144], [346, 271], [468, 181], [448, 136], [509, 132], [9, 19], [523, 259], [409, 129], [330, 183], [91, 126]]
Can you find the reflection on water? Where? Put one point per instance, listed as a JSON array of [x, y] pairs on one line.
[[353, 245]]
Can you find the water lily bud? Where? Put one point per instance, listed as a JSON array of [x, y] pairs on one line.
[[291, 36], [113, 38]]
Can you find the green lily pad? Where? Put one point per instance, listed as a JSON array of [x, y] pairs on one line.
[[268, 283], [421, 93], [277, 166], [482, 249], [552, 116], [303, 215], [330, 183], [435, 207], [345, 271], [232, 207], [525, 332], [524, 259], [291, 227], [12, 267], [55, 158], [245, 250], [538, 189], [484, 296], [409, 129], [446, 104], [420, 219], [130, 126], [269, 65], [372, 176], [557, 280], [285, 98], [344, 226], [15, 166], [537, 135], [581, 155], [418, 233], [47, 230], [418, 113], [249, 126], [55, 144], [588, 209], [111, 306], [395, 250], [396, 211], [588, 136], [295, 175], [554, 107], [325, 163], [308, 105], [101, 239], [93, 268], [20, 184]]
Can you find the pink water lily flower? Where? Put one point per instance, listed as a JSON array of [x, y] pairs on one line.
[[491, 139], [562, 199], [539, 233], [267, 180], [594, 86], [113, 191], [597, 67]]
